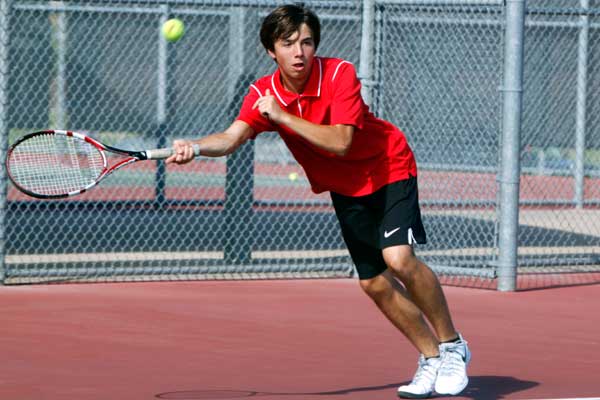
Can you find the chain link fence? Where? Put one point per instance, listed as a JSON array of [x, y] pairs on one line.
[[560, 182], [435, 69]]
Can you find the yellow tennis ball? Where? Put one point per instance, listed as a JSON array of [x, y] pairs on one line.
[[173, 29], [293, 176]]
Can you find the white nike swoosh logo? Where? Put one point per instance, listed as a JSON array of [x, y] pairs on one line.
[[387, 234]]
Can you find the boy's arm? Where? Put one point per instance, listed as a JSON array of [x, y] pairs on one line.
[[214, 145], [333, 138]]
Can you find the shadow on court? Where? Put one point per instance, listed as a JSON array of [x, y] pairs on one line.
[[480, 387], [495, 387], [234, 394], [65, 229], [74, 230]]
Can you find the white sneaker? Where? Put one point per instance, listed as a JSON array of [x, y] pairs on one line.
[[423, 382], [452, 375]]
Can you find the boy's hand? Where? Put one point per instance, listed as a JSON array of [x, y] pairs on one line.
[[183, 152], [267, 106]]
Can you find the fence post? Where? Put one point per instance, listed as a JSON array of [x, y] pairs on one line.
[[237, 60], [4, 37], [58, 105], [511, 130], [165, 102], [367, 48], [239, 190], [239, 184], [581, 113]]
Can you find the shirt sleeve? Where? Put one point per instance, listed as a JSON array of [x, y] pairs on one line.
[[254, 118], [347, 105]]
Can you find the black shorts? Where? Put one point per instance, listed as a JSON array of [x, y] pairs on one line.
[[389, 217]]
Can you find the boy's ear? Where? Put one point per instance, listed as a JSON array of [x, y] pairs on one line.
[[272, 55]]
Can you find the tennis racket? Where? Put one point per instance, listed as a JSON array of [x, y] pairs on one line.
[[55, 164]]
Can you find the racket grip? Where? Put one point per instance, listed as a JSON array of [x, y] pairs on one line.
[[159, 154]]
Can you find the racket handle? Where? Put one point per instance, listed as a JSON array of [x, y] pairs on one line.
[[160, 154]]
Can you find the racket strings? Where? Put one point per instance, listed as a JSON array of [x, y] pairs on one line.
[[55, 164]]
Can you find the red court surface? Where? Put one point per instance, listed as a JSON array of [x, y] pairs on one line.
[[281, 340]]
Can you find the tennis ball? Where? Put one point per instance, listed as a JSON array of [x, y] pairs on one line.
[[293, 176], [173, 29]]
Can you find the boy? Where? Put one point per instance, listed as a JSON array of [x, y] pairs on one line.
[[369, 169]]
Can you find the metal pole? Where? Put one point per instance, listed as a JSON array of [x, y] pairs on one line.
[[164, 107], [4, 37], [239, 185], [161, 86], [510, 162], [367, 47], [377, 104], [581, 114], [238, 17], [58, 107]]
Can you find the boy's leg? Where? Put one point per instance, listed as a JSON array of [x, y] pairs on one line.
[[401, 227], [360, 233], [394, 303], [360, 222], [402, 313], [423, 287]]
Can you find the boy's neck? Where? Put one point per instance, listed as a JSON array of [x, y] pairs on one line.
[[292, 85]]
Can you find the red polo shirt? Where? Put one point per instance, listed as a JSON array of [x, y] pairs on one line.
[[379, 153]]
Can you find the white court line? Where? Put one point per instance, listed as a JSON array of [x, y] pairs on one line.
[[574, 398]]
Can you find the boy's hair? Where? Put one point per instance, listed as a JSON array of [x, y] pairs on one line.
[[284, 21]]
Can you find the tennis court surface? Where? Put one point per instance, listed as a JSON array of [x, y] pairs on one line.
[[281, 340]]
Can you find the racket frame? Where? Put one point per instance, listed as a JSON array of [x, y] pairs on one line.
[[132, 156]]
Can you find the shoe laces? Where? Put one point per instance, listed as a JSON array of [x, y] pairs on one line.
[[426, 372], [453, 358]]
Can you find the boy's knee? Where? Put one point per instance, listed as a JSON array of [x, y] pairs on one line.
[[402, 262], [377, 287]]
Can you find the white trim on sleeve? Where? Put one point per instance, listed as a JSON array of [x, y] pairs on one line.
[[257, 90], [275, 90], [338, 67], [320, 76]]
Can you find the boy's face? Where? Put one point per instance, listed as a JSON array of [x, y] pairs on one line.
[[294, 55]]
